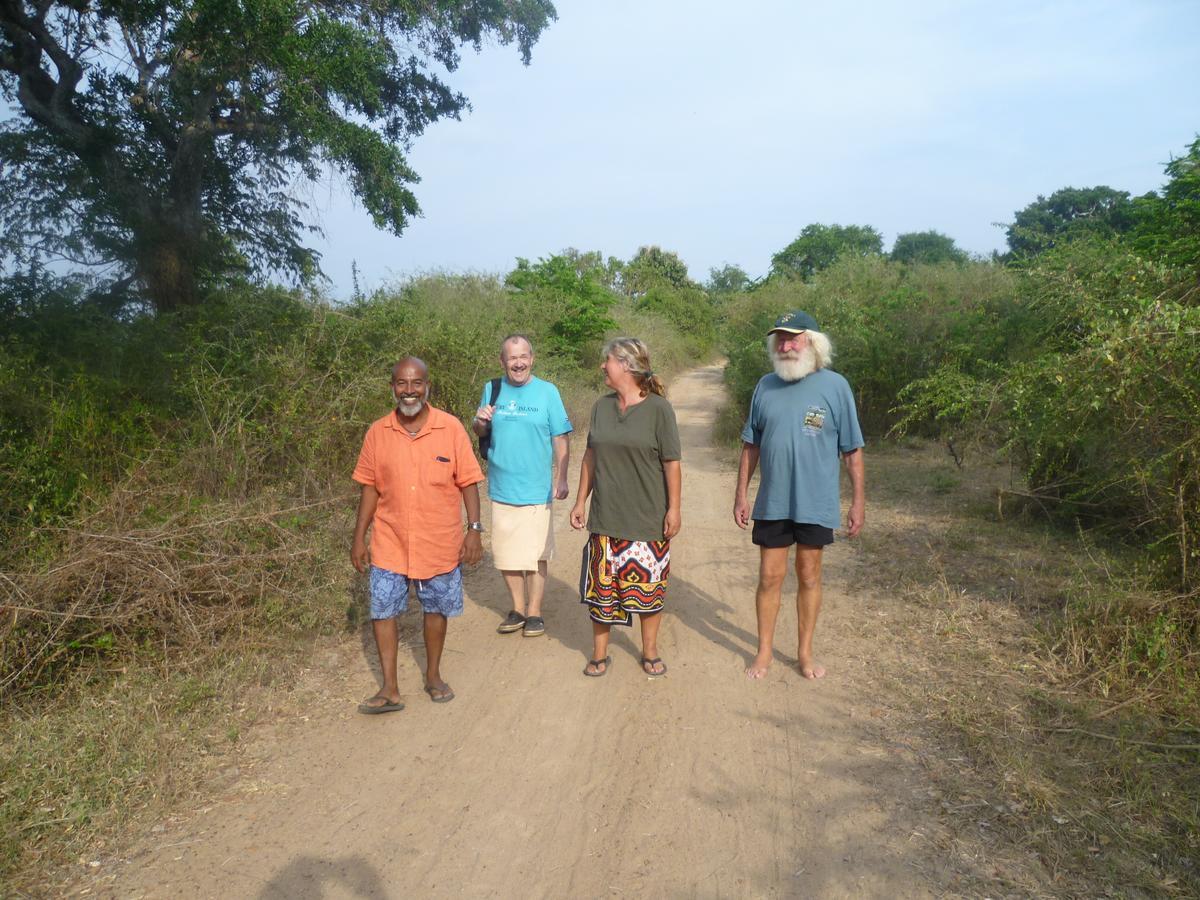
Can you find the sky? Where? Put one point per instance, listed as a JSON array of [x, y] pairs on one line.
[[720, 130]]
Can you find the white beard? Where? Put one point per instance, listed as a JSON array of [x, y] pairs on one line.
[[793, 368]]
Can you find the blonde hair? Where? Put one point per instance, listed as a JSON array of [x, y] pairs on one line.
[[821, 347], [635, 356]]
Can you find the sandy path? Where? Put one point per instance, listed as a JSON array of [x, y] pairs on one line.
[[538, 782]]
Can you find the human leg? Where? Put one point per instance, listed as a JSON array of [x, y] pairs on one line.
[[808, 607], [535, 587], [389, 598], [387, 642], [598, 664], [435, 641], [535, 584], [441, 598], [515, 581], [651, 664], [772, 568]]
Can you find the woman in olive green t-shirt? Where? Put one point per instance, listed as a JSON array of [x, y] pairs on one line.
[[631, 471]]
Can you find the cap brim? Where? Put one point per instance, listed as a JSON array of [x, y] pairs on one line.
[[788, 330]]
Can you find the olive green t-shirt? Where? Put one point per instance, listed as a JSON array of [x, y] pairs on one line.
[[629, 490]]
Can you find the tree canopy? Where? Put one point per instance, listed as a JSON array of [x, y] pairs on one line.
[[159, 142], [1168, 224], [653, 266], [728, 279], [927, 247], [819, 246], [1068, 214]]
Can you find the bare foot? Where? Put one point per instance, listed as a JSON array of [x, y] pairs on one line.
[[758, 668], [812, 670]]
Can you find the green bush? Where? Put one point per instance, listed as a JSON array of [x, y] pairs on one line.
[[1099, 400], [890, 324]]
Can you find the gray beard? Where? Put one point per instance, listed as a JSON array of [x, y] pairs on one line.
[[790, 369], [409, 408]]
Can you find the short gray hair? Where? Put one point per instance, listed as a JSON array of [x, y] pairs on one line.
[[516, 336]]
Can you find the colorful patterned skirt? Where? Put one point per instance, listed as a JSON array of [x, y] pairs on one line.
[[621, 577]]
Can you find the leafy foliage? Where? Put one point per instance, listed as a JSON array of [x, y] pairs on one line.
[[1068, 214], [926, 247], [889, 324], [652, 266], [1168, 225], [1098, 401], [727, 279], [161, 139], [819, 246], [657, 281], [572, 297]]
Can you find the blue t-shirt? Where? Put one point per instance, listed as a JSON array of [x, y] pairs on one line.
[[521, 457], [801, 428]]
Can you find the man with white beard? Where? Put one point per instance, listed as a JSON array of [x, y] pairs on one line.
[[802, 419], [416, 466]]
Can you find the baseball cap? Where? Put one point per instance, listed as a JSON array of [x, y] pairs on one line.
[[795, 322]]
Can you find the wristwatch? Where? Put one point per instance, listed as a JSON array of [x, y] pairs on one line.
[[474, 526]]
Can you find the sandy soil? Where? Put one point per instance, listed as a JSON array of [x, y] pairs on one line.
[[538, 782]]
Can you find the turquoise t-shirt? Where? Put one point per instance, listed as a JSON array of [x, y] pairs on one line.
[[521, 457], [801, 428]]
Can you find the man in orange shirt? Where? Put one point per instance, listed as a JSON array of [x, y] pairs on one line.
[[416, 463]]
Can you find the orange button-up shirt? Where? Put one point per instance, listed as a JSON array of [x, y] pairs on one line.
[[418, 528]]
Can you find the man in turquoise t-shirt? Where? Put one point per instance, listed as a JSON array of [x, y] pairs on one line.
[[802, 420], [527, 469]]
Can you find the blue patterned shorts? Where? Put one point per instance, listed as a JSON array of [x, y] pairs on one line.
[[442, 594]]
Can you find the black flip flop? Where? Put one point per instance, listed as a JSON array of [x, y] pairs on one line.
[[368, 710], [596, 664], [445, 694], [652, 663]]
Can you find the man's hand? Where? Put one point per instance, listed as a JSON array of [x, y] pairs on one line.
[[671, 524], [483, 420], [578, 516], [855, 518], [359, 558], [471, 551], [561, 490], [741, 512]]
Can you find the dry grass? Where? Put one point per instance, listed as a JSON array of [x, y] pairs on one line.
[[143, 652], [1058, 773]]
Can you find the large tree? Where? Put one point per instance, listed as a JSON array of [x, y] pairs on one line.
[[164, 140], [819, 247], [728, 279], [653, 266], [927, 247], [1068, 214], [1168, 226]]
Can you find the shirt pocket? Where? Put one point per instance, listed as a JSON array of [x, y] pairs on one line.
[[441, 471]]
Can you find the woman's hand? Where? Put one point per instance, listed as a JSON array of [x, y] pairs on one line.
[[671, 524], [578, 517]]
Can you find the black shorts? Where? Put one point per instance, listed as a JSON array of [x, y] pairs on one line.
[[785, 532]]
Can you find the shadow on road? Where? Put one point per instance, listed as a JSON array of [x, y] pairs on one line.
[[311, 878]]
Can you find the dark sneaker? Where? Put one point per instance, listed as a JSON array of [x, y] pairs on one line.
[[514, 622], [534, 626]]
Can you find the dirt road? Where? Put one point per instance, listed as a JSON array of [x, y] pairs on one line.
[[538, 782]]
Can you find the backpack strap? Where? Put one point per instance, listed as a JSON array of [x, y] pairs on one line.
[[495, 382]]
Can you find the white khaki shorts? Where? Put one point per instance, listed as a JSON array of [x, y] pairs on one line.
[[522, 536]]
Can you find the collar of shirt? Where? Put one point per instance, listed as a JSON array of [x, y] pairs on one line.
[[434, 420]]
